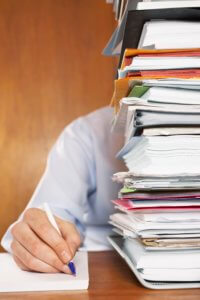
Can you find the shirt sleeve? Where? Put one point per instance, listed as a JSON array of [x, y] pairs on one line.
[[69, 177]]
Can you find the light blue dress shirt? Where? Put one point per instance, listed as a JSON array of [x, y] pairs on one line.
[[77, 181]]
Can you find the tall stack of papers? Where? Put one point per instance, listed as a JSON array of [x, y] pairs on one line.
[[157, 106]]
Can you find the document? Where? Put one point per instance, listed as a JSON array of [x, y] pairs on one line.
[[13, 279], [172, 243], [164, 217], [163, 62], [170, 131], [161, 183], [178, 34], [166, 156], [137, 225], [172, 95], [174, 83], [167, 4]]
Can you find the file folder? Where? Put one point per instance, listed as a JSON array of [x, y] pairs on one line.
[[137, 18], [118, 243]]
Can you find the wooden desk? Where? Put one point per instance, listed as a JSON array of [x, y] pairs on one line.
[[110, 278]]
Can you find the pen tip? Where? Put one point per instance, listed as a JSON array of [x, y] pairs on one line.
[[72, 268]]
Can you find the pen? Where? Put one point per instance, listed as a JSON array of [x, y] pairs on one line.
[[54, 224]]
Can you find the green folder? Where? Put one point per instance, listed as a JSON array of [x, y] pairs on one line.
[[138, 91], [126, 190]]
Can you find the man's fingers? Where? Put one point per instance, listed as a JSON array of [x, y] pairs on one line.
[[26, 237], [40, 224], [29, 261], [70, 234], [20, 263]]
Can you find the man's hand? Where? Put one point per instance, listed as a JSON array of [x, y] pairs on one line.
[[37, 246]]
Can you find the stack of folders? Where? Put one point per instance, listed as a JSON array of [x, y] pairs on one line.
[[157, 106]]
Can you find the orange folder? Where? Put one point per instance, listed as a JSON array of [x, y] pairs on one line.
[[123, 86], [130, 53]]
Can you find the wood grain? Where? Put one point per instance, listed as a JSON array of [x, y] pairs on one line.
[[110, 279], [51, 71]]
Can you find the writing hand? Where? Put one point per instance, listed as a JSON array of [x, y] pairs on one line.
[[37, 246]]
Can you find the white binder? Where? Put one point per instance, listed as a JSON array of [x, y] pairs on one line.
[[118, 241]]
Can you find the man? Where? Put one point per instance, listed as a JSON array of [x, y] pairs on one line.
[[77, 185]]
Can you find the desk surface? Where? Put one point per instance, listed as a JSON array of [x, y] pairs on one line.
[[110, 278]]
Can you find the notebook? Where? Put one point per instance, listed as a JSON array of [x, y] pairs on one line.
[[13, 279]]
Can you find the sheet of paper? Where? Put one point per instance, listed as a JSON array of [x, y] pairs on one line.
[[178, 34], [13, 279], [160, 63], [167, 4], [126, 221], [174, 82], [171, 131], [138, 225], [164, 156], [172, 95]]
